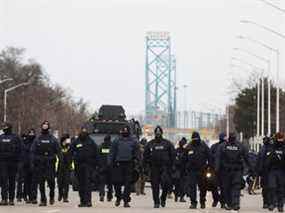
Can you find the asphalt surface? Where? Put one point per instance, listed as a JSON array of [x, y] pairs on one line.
[[139, 204]]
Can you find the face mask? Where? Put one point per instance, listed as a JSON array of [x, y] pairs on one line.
[[125, 134], [31, 136], [83, 135], [68, 141], [195, 141], [158, 134], [7, 131]]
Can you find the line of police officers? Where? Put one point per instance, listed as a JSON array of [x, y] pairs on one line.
[[193, 165]]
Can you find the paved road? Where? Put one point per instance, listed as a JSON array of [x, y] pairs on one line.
[[140, 204]]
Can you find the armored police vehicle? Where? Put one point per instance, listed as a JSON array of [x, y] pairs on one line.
[[110, 119]]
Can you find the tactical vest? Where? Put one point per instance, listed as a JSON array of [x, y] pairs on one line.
[[45, 147], [232, 157], [159, 153], [8, 145]]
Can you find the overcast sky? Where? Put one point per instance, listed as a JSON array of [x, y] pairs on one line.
[[97, 47]]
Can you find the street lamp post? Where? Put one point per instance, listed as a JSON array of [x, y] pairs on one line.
[[262, 44], [280, 35], [262, 93], [185, 117], [273, 6], [258, 95], [5, 80], [5, 96]]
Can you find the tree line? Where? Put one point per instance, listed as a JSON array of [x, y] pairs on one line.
[[40, 100], [244, 108]]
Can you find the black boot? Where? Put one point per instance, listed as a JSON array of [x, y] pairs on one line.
[[109, 197], [51, 201], [127, 205], [203, 205], [118, 202], [34, 202], [236, 208], [193, 206], [156, 206], [11, 203], [4, 203], [43, 203], [162, 203], [82, 205], [228, 208], [214, 204], [271, 207]]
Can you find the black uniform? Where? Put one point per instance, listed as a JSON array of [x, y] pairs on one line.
[[85, 155], [105, 170], [219, 177], [196, 159], [64, 170], [179, 171], [273, 161], [44, 151], [159, 155], [229, 164], [20, 175], [140, 184], [262, 171], [29, 175], [123, 157], [10, 152]]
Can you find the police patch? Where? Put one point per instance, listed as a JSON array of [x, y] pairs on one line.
[[191, 152], [159, 147], [6, 140], [45, 141], [232, 148], [79, 145], [105, 151]]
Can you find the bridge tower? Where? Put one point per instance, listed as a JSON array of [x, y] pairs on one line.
[[160, 80]]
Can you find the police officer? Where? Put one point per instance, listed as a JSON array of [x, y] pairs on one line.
[[64, 169], [10, 152], [85, 156], [251, 179], [273, 161], [179, 171], [229, 163], [220, 195], [28, 173], [123, 158], [20, 175], [196, 159], [159, 155], [105, 170], [262, 171], [140, 184], [44, 151]]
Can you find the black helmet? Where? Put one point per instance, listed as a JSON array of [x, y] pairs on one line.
[[7, 128], [232, 137], [158, 132]]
